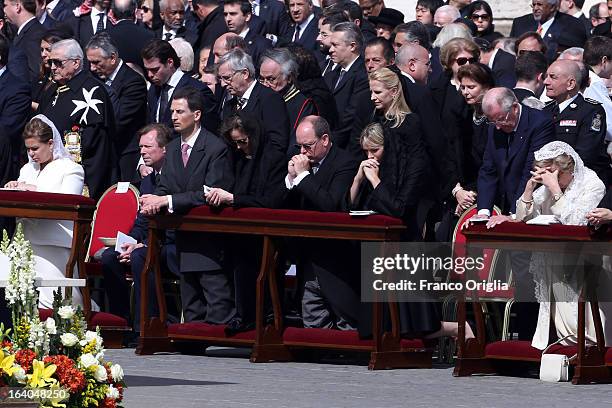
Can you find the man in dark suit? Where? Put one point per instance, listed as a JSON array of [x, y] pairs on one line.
[[305, 24], [173, 15], [530, 70], [574, 9], [197, 158], [318, 179], [515, 134], [212, 23], [348, 81], [128, 93], [62, 9], [162, 69], [129, 51], [237, 15], [274, 14], [237, 73], [152, 142], [15, 105], [86, 25], [551, 24], [579, 122], [22, 14], [500, 62]]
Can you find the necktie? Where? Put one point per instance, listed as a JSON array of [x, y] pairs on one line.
[[342, 72], [314, 167], [539, 30], [184, 153], [157, 177], [163, 102], [241, 103], [296, 37], [168, 36], [100, 25]]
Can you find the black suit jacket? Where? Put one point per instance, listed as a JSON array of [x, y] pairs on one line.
[[522, 93], [129, 50], [210, 119], [140, 229], [325, 190], [308, 38], [256, 45], [209, 164], [15, 105], [275, 15], [505, 170], [503, 69], [211, 28], [28, 41], [563, 23], [269, 107], [129, 92], [82, 27], [582, 125], [350, 90]]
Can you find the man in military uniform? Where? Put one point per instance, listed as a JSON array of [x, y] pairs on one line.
[[82, 111], [579, 122]]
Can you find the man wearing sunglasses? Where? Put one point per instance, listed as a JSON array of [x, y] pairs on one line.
[[79, 104], [550, 24]]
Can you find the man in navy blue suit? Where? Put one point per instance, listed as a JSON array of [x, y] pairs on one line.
[[238, 14], [516, 132], [306, 25], [152, 142]]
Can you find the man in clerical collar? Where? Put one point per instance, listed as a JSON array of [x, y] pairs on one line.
[[81, 109]]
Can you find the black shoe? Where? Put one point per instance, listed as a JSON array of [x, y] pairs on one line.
[[236, 325]]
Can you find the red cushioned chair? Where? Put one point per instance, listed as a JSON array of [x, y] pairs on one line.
[[114, 213]]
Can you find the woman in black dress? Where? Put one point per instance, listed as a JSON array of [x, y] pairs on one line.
[[482, 16]]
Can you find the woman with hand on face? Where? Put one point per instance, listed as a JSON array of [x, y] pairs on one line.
[[50, 169], [561, 186], [475, 80]]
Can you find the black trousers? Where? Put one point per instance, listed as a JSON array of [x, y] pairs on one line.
[[207, 296]]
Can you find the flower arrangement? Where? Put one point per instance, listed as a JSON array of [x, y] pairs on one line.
[[58, 362]]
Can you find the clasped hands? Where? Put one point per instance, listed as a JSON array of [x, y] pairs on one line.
[[298, 164], [124, 257], [151, 204], [369, 169], [20, 185]]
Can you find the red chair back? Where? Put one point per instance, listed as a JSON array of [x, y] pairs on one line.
[[114, 212]]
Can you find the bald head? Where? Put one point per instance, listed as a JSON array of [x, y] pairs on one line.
[[413, 59], [220, 48], [563, 80], [124, 9]]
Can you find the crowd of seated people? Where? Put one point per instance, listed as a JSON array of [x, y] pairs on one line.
[[324, 107]]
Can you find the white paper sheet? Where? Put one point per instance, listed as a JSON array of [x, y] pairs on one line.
[[122, 187], [544, 220], [123, 239]]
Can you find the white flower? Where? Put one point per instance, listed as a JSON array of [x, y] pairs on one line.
[[69, 339], [66, 312], [99, 373], [83, 343], [116, 372], [50, 326], [19, 373], [112, 392], [88, 360]]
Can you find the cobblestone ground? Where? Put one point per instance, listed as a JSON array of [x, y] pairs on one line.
[[225, 378]]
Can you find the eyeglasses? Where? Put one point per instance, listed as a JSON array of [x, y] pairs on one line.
[[462, 60], [307, 146], [228, 78], [483, 17], [499, 122], [59, 63], [241, 142], [145, 9], [270, 80]]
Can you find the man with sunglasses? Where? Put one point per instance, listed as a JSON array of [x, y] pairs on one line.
[[550, 24], [317, 180], [81, 109]]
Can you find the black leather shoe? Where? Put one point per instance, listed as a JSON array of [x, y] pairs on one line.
[[236, 325]]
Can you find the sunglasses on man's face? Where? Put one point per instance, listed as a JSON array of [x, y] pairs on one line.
[[462, 60]]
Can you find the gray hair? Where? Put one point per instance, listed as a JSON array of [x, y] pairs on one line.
[[163, 4], [286, 60], [451, 31], [103, 42], [574, 52], [238, 60], [502, 97], [185, 53], [71, 48], [450, 11], [352, 33], [555, 2]]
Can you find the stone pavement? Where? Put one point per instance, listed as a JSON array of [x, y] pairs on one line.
[[225, 378]]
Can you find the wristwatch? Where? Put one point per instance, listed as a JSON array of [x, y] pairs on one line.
[[558, 196]]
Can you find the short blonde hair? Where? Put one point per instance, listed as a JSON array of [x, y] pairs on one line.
[[564, 162], [399, 108]]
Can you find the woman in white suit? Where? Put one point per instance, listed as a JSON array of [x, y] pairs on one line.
[[50, 169]]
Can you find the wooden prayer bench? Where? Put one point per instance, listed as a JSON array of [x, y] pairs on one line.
[[476, 356], [80, 210], [274, 342]]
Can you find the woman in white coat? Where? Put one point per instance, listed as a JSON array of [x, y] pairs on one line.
[[50, 169]]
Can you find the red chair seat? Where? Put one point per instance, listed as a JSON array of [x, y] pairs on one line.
[[330, 337], [101, 319], [206, 330], [294, 215], [522, 350]]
